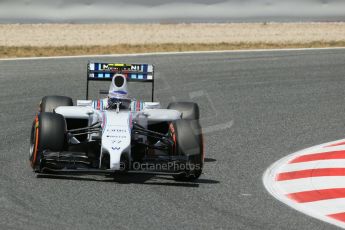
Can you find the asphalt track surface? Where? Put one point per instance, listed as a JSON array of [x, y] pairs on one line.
[[275, 102]]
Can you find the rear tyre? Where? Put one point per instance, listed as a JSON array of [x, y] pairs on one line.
[[189, 110], [50, 103], [188, 141], [47, 133]]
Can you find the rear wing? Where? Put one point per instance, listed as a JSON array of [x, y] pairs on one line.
[[97, 71]]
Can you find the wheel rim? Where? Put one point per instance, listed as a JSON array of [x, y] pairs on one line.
[[34, 142]]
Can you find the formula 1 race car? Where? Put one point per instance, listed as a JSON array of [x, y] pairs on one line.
[[117, 134]]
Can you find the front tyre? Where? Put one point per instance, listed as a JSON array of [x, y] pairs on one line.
[[50, 103], [47, 133], [188, 141]]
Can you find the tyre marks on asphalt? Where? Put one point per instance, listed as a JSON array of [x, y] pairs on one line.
[[312, 181]]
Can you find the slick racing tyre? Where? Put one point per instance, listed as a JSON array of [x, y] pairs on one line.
[[188, 141], [189, 110], [47, 133], [49, 103]]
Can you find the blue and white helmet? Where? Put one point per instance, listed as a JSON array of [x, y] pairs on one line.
[[118, 87], [118, 94]]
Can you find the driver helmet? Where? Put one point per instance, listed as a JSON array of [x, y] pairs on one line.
[[118, 91]]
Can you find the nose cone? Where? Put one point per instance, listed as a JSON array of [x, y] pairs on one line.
[[118, 87]]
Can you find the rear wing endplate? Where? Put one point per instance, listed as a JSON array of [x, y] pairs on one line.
[[97, 71]]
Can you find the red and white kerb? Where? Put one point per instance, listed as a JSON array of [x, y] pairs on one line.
[[312, 181]]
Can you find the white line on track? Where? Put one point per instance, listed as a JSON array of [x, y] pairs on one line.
[[314, 183], [171, 53], [339, 163], [327, 207]]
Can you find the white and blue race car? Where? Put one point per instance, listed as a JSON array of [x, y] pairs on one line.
[[117, 134]]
